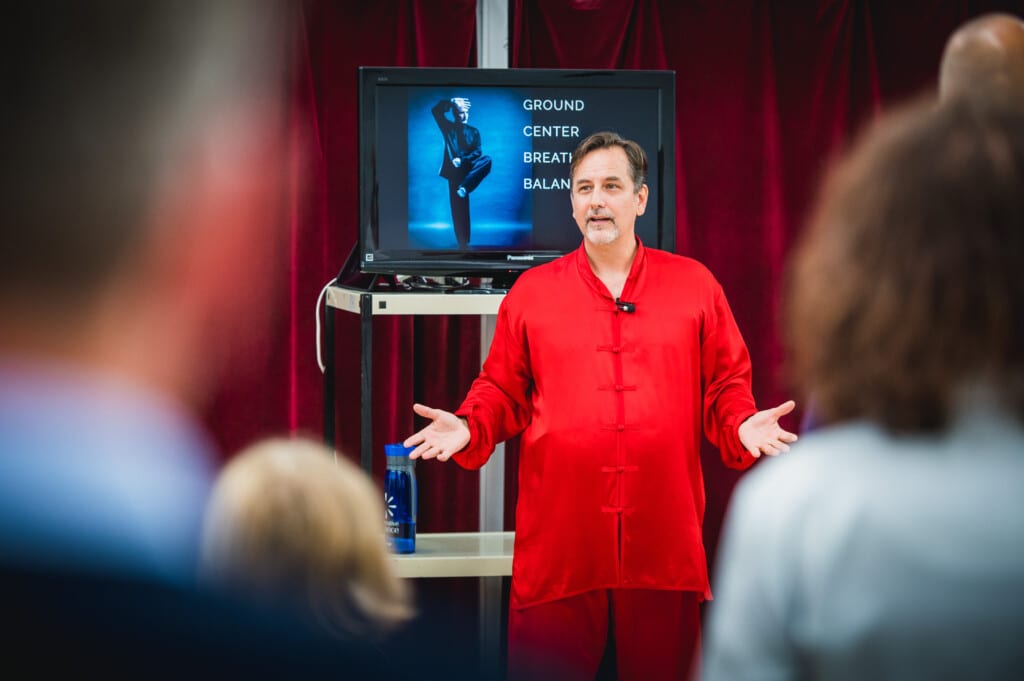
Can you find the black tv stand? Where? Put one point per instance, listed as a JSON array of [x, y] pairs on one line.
[[504, 280], [352, 277], [377, 302]]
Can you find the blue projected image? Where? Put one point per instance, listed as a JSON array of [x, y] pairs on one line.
[[466, 169]]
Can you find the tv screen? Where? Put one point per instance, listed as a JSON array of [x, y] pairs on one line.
[[465, 172]]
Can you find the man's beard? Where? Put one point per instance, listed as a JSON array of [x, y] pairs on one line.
[[603, 237]]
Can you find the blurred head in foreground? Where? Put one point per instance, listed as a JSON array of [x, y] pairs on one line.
[[141, 155], [142, 148], [288, 522], [906, 295], [984, 62]]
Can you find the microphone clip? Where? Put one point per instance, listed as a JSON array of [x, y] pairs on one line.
[[625, 306]]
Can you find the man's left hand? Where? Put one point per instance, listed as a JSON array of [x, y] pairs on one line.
[[762, 434]]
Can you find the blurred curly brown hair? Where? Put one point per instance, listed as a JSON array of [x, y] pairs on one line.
[[907, 288]]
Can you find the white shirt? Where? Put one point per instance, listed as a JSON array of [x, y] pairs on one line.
[[97, 473], [860, 555]]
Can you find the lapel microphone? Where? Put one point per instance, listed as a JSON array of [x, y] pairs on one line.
[[624, 306]]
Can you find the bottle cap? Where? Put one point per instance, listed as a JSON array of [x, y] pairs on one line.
[[397, 449]]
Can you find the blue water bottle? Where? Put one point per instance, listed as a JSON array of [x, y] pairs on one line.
[[400, 498]]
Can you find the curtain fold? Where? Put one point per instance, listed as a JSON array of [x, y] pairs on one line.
[[586, 34]]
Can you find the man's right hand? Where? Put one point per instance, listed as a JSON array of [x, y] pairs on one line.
[[445, 435]]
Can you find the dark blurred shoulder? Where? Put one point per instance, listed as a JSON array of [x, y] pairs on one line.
[[67, 620]]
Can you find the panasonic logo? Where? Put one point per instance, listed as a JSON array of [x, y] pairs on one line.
[[518, 257]]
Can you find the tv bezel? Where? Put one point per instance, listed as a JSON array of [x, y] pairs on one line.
[[495, 262]]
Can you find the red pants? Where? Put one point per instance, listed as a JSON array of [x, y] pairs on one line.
[[656, 633]]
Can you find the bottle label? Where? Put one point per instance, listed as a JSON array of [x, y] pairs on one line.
[[397, 530], [399, 499], [400, 508]]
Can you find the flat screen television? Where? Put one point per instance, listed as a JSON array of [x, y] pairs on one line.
[[465, 172]]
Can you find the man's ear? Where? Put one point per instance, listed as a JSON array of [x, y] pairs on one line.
[[642, 200]]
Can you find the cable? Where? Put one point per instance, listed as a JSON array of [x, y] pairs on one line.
[[319, 300]]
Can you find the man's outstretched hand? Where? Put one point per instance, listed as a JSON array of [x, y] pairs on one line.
[[445, 435], [762, 434]]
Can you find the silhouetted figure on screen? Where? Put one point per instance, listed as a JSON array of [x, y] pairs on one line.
[[464, 165]]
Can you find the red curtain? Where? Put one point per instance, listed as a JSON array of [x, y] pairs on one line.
[[766, 92], [428, 359]]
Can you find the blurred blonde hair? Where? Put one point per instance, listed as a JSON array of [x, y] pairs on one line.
[[288, 522]]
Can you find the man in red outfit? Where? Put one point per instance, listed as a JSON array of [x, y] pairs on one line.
[[611, 361]]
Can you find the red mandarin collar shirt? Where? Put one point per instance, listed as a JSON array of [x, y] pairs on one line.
[[611, 405]]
